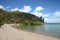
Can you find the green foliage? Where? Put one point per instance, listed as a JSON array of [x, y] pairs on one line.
[[19, 17]]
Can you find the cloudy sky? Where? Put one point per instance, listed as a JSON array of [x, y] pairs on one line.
[[49, 9]]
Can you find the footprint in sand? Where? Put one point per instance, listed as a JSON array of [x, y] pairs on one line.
[[20, 38]]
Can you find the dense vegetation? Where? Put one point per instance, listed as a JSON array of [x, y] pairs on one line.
[[19, 17]]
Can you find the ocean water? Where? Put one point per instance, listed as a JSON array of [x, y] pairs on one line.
[[51, 29]]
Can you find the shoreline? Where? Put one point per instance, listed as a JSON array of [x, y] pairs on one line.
[[10, 33], [42, 33]]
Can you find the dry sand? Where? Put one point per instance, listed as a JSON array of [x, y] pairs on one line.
[[7, 32]]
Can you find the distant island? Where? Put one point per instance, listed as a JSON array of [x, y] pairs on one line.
[[19, 17]]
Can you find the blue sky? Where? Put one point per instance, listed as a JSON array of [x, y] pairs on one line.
[[49, 9]]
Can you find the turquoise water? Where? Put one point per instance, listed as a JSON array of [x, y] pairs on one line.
[[49, 29]]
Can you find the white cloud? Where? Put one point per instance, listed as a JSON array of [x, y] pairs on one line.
[[38, 14], [2, 7], [26, 9], [52, 20], [46, 15], [15, 9], [39, 8], [57, 13]]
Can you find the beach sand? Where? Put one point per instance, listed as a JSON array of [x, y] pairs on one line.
[[7, 32]]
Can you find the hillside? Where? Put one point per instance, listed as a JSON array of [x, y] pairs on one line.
[[19, 17]]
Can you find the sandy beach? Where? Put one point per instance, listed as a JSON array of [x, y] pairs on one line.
[[7, 32]]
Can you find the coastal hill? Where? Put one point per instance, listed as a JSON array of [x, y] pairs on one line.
[[19, 17]]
